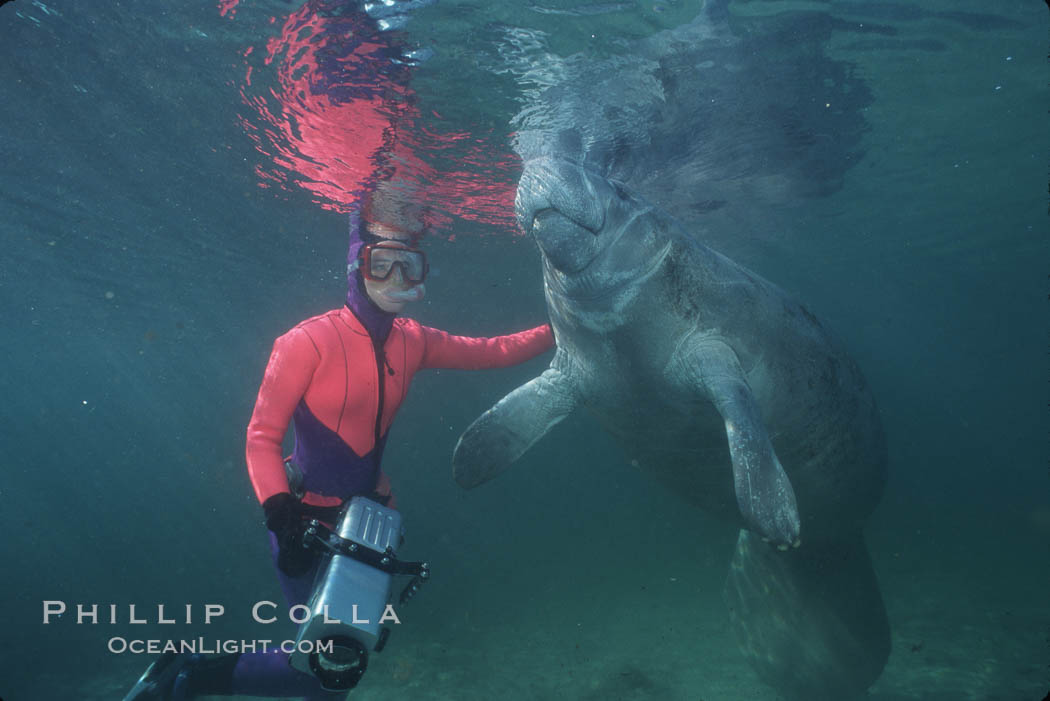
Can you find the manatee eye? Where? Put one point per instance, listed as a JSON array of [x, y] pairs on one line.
[[620, 191]]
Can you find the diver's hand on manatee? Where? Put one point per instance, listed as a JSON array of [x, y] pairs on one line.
[[767, 502], [481, 452]]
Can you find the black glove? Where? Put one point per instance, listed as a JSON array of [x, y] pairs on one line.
[[284, 517]]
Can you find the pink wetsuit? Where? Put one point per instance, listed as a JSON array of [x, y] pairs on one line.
[[342, 391]]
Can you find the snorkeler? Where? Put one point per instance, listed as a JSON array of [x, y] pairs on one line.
[[340, 378]]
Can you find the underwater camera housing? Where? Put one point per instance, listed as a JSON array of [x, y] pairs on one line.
[[352, 593]]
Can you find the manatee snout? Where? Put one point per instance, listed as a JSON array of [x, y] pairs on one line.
[[560, 186], [563, 208]]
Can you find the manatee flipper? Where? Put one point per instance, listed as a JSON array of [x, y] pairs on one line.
[[503, 433], [811, 620], [763, 490]]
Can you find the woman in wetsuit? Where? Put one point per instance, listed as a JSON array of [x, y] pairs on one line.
[[340, 378]]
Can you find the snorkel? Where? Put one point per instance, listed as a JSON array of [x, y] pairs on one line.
[[414, 293]]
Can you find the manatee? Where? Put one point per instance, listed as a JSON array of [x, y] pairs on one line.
[[728, 391]]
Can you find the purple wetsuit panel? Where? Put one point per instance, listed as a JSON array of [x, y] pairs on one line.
[[328, 465], [268, 674]]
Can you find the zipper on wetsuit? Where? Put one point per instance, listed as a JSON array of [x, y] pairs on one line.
[[380, 364]]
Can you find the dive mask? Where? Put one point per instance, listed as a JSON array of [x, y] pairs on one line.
[[378, 261]]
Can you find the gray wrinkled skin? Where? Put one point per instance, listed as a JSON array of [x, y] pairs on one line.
[[633, 304], [728, 392]]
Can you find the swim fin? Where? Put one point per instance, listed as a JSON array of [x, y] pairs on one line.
[[158, 682]]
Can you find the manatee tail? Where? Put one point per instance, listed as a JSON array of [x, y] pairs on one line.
[[810, 621]]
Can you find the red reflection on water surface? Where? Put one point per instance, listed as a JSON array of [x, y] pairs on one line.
[[331, 109]]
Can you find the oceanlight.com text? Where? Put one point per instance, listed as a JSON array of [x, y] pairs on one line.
[[119, 646]]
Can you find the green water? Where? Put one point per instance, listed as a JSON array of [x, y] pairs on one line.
[[146, 273]]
